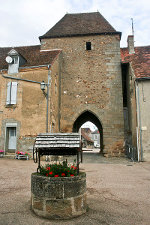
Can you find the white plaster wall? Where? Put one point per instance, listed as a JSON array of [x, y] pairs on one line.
[[144, 97]]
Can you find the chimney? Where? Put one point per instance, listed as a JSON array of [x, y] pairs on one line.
[[130, 42]]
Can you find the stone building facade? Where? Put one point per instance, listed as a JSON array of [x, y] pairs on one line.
[[23, 108], [82, 54], [136, 94], [91, 87]]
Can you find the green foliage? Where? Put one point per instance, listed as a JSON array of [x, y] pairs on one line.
[[58, 170]]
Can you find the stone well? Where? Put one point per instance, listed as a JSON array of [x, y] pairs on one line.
[[58, 197]]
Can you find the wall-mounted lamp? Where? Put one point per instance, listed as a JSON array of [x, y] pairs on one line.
[[43, 86]]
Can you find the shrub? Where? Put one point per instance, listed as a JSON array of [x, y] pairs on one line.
[[58, 170]]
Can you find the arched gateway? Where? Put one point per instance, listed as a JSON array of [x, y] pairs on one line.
[[89, 116]]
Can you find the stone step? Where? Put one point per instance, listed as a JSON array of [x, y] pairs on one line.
[[10, 155]]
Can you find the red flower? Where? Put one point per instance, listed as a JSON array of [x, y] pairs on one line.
[[71, 175], [48, 168], [50, 173], [47, 174], [63, 174], [56, 175], [75, 168], [72, 166]]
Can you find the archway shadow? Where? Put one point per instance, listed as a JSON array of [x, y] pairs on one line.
[[89, 116]]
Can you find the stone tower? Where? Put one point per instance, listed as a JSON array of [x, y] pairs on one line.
[[90, 86]]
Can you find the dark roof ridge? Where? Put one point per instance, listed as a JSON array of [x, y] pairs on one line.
[[22, 46], [77, 35], [81, 13], [144, 46], [80, 24]]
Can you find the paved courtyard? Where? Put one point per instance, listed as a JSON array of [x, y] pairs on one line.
[[118, 192]]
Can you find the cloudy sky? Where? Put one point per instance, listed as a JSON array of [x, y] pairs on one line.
[[23, 21]]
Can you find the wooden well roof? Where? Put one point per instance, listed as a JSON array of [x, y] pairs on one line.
[[57, 140]]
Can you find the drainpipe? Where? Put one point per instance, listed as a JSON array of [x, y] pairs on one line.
[[138, 122], [16, 78], [137, 143], [26, 67], [47, 97]]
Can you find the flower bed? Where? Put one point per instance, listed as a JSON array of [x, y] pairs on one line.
[[21, 153], [59, 170]]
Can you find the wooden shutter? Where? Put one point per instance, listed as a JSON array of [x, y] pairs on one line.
[[14, 93], [8, 93]]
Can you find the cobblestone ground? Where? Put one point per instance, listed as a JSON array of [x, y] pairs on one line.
[[118, 192]]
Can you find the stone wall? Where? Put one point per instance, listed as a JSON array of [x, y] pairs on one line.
[[91, 80], [58, 197]]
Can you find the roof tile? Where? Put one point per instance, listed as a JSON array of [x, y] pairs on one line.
[[31, 54], [140, 60], [80, 24]]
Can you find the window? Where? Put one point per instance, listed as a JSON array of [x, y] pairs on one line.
[[95, 136], [11, 93], [88, 45], [14, 64], [11, 138], [15, 60]]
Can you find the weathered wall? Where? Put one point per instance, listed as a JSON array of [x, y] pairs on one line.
[[131, 105], [54, 105], [29, 114], [144, 106], [91, 80]]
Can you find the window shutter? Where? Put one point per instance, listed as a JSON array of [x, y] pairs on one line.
[[14, 93], [8, 93]]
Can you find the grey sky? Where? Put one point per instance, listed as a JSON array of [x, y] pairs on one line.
[[23, 21]]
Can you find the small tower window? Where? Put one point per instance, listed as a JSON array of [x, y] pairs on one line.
[[88, 45]]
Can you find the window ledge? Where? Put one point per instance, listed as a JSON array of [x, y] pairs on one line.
[[13, 106]]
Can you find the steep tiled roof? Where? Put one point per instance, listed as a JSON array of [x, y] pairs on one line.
[[31, 54], [80, 24], [140, 60]]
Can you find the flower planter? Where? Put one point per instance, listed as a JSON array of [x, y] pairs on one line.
[[58, 197], [1, 155], [22, 155]]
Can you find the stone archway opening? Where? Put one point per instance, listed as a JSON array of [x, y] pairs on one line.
[[88, 116]]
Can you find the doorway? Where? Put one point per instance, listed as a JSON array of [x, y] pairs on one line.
[[11, 139], [89, 116]]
